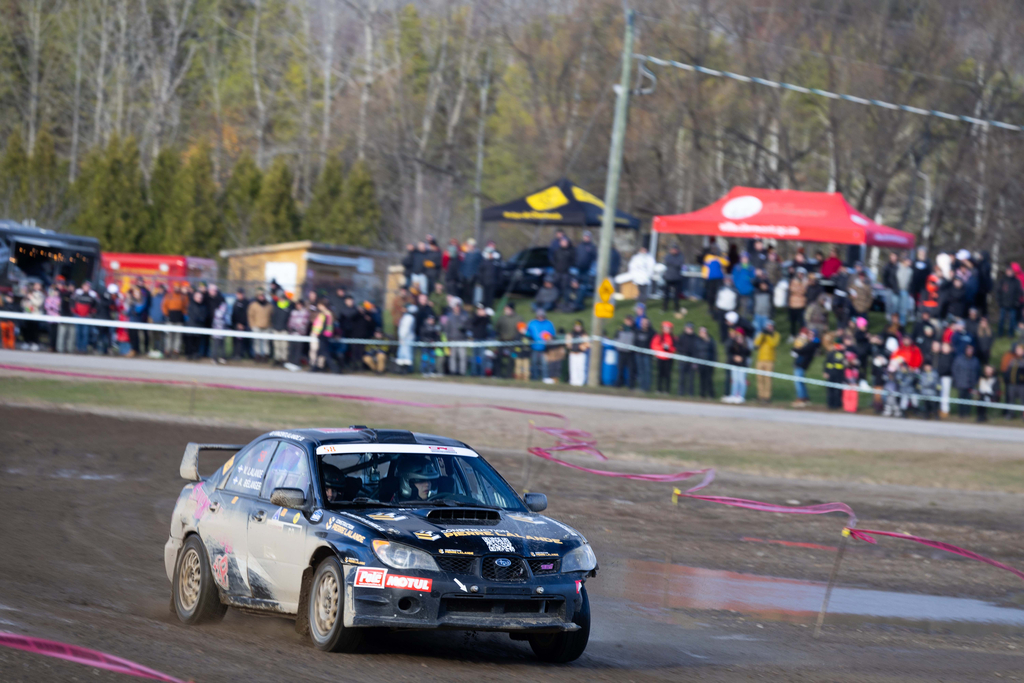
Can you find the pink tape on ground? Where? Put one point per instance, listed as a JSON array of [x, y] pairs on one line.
[[572, 440], [81, 655]]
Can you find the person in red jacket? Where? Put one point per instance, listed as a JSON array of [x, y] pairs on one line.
[[663, 344], [909, 352]]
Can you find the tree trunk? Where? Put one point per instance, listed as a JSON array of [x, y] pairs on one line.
[[481, 129], [305, 158], [368, 78], [327, 66], [121, 72], [76, 114], [101, 68], [254, 73], [434, 87], [35, 27]]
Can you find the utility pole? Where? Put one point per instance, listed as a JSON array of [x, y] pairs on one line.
[[611, 192]]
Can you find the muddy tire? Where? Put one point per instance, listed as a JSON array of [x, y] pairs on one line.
[[560, 648], [326, 609], [193, 593]]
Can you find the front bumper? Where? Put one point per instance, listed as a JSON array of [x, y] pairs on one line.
[[507, 607]]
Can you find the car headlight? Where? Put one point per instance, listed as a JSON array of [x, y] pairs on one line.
[[580, 560], [403, 557]]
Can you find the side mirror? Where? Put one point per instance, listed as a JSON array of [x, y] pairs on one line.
[[288, 498], [537, 502]]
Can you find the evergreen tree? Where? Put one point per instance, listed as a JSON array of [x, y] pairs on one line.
[[111, 197], [197, 228], [155, 240], [238, 204], [362, 210], [47, 184], [277, 217], [14, 179], [325, 213]]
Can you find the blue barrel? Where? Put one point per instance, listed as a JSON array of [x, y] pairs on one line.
[[609, 366]]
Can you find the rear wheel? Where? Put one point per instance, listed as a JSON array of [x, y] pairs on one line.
[[326, 610], [559, 648], [193, 592]]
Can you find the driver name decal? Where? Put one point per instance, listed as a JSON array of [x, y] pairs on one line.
[[451, 533]]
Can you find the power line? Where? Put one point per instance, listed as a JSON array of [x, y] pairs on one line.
[[830, 95]]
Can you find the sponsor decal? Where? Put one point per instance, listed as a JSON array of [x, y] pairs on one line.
[[738, 208], [441, 449], [426, 535], [370, 577], [263, 455], [316, 516], [220, 571], [501, 533], [201, 500], [331, 521], [228, 464], [543, 554], [387, 516], [234, 500], [503, 562], [281, 517], [347, 533], [499, 545], [579, 584], [363, 520], [295, 519], [452, 551], [771, 230], [525, 519], [461, 585], [288, 435], [411, 583], [248, 477], [533, 215], [547, 567]]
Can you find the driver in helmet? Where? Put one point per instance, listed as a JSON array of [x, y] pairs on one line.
[[417, 478]]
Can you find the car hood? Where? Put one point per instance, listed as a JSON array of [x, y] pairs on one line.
[[526, 534]]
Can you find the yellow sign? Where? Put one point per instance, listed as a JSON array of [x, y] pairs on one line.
[[604, 310], [606, 290], [548, 199]]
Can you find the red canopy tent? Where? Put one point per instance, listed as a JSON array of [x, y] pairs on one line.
[[786, 215]]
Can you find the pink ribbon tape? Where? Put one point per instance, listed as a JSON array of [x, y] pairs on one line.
[[81, 655]]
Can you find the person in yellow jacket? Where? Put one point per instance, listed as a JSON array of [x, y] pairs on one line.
[[766, 342]]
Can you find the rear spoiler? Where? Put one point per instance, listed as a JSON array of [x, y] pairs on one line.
[[190, 461]]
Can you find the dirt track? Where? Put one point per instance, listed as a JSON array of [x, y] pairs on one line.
[[85, 502]]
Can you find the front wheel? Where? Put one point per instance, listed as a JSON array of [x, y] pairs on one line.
[[560, 648], [326, 610], [194, 594]]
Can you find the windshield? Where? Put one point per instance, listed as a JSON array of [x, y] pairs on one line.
[[350, 479]]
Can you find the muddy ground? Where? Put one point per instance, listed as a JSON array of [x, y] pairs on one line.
[[85, 503]]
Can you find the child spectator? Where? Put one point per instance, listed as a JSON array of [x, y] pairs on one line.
[[430, 333], [579, 345], [928, 385], [664, 344], [906, 382], [766, 342], [375, 354], [966, 372]]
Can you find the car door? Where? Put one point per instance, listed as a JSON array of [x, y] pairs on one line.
[[224, 528], [277, 535]]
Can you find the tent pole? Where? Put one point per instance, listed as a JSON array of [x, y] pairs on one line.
[[611, 193]]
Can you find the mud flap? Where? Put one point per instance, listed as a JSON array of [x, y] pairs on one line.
[[349, 606], [302, 612]]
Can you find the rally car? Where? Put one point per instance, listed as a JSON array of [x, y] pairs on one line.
[[348, 528]]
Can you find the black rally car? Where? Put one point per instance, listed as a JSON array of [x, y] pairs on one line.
[[356, 527]]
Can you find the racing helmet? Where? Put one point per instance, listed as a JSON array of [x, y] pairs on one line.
[[413, 469]]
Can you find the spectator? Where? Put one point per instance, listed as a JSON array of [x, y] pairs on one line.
[[1009, 296], [644, 338], [737, 351], [627, 359], [507, 328], [430, 333], [259, 321], [480, 329], [766, 343], [455, 325], [944, 366], [663, 344], [489, 274], [83, 305], [547, 295], [432, 264], [196, 317], [892, 296], [540, 331], [988, 391], [298, 326], [763, 312], [835, 372], [966, 372], [579, 344], [928, 387], [419, 279], [32, 303], [805, 346], [556, 242], [641, 271], [8, 338], [375, 354], [322, 330], [686, 345], [522, 355], [705, 349], [814, 289], [452, 264], [553, 358], [408, 263], [861, 294], [280, 314], [773, 269], [957, 299], [797, 301], [904, 279], [1014, 378], [51, 305], [423, 311], [175, 306], [406, 337], [713, 270], [562, 258], [983, 339], [831, 265], [157, 317], [469, 272], [439, 299], [221, 321], [673, 276], [725, 303], [240, 322], [586, 255], [743, 281]]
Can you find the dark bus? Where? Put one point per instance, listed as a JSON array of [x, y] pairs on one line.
[[29, 254]]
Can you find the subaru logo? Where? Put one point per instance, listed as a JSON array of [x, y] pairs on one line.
[[503, 562]]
